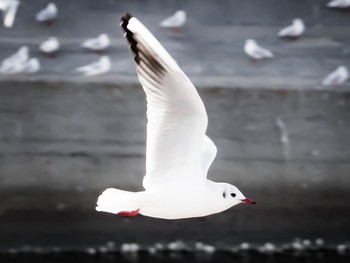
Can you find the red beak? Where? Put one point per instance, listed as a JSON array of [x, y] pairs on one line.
[[248, 201]]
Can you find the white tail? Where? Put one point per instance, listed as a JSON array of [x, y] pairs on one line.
[[118, 202]]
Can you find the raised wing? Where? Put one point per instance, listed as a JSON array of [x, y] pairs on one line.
[[177, 119], [209, 151]]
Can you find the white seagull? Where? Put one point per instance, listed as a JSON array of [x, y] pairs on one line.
[[256, 52], [9, 9], [341, 4], [178, 153], [14, 62], [98, 44], [177, 20], [50, 46], [103, 65], [337, 77], [295, 30], [48, 14]]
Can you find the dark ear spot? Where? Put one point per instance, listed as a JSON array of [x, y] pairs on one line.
[[224, 194], [233, 194]]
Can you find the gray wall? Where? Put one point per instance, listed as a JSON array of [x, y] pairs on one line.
[[64, 139]]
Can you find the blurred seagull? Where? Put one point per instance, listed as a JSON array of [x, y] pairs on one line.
[[9, 8], [176, 21], [50, 46], [342, 4], [337, 77], [98, 44], [29, 66], [103, 65], [178, 151], [256, 52], [295, 30], [15, 61], [48, 14]]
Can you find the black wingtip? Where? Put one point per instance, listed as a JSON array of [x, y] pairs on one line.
[[126, 17]]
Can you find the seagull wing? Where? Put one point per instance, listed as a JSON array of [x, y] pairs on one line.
[[177, 119], [209, 152]]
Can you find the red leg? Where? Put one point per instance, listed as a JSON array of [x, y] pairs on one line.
[[129, 213]]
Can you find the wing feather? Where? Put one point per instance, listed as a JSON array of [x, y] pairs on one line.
[[177, 119]]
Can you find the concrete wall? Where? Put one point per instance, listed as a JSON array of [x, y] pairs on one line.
[[63, 143], [63, 138]]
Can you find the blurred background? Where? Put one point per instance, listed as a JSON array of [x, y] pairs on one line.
[[283, 138]]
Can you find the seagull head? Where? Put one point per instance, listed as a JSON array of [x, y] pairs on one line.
[[232, 194], [298, 21], [180, 14]]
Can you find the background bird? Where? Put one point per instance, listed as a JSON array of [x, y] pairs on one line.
[[295, 30], [256, 52], [9, 9], [48, 14], [50, 46], [337, 77], [15, 61], [103, 65], [176, 21], [98, 44], [341, 4]]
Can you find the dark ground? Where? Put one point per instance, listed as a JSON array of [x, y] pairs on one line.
[[65, 138]]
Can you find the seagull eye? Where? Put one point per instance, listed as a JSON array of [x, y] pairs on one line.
[[233, 195]]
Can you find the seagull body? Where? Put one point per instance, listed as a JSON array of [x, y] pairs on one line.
[[29, 66], [253, 50], [295, 30], [178, 153], [339, 4], [102, 42], [50, 46], [14, 62], [48, 14], [337, 77], [177, 20], [9, 8], [103, 65]]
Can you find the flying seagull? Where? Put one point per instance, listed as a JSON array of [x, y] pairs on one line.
[[337, 77], [178, 152], [295, 30], [256, 52], [9, 9]]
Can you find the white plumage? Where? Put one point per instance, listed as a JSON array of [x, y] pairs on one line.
[[253, 50], [13, 63], [339, 4], [9, 9], [177, 20], [99, 43], [296, 29], [178, 153], [337, 77], [49, 13], [50, 46], [103, 65]]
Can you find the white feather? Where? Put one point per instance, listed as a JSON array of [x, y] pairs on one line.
[[296, 29], [337, 77], [103, 65], [178, 19], [49, 13], [255, 51], [99, 43]]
